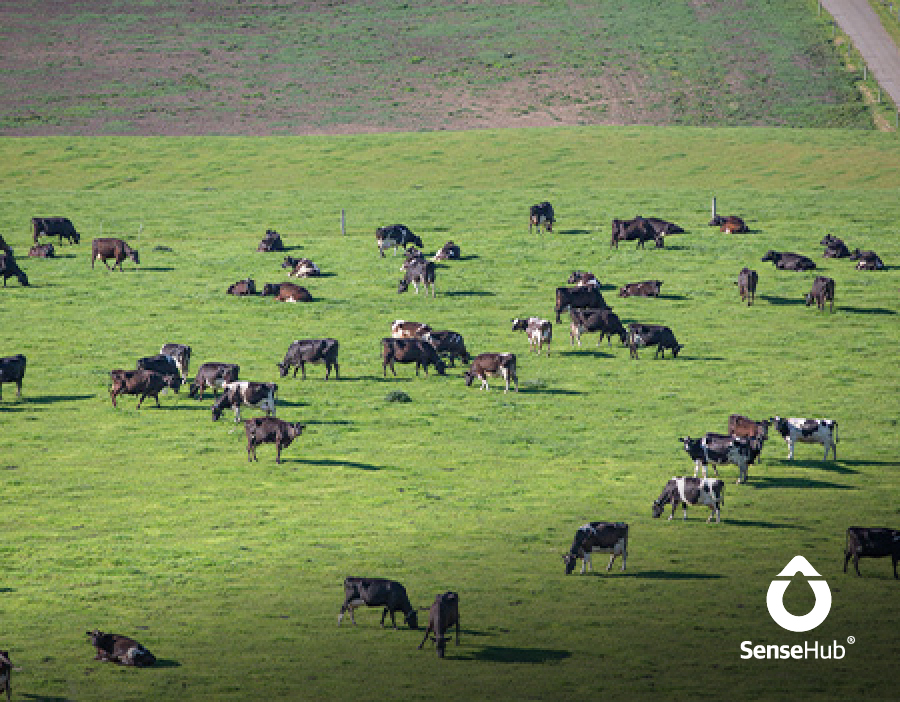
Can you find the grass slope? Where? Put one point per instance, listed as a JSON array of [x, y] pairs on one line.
[[153, 524]]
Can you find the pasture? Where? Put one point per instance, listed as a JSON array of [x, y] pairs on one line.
[[152, 523]]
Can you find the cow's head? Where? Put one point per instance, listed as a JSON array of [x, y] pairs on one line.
[[623, 292], [403, 286], [658, 508], [415, 240], [519, 324], [412, 619], [569, 559], [717, 221], [660, 242], [469, 376], [771, 255], [439, 365], [220, 404], [172, 381], [296, 429], [283, 369], [133, 255], [676, 349], [271, 288]]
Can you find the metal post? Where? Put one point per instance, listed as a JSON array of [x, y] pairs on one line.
[[714, 207], [343, 223]]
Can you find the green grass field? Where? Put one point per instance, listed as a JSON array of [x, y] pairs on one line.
[[152, 523]]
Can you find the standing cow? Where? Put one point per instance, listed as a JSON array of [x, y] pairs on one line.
[[116, 249], [497, 364], [378, 592], [652, 335], [602, 537], [746, 282], [708, 492], [303, 351], [417, 351], [541, 215], [270, 430], [10, 269], [443, 614], [822, 292], [539, 332], [54, 226], [395, 235], [12, 370], [808, 431], [873, 542]]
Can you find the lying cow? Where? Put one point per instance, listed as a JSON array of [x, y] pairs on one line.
[[301, 268], [115, 648], [242, 392], [270, 242], [213, 375], [638, 229], [9, 269], [808, 431], [787, 261], [417, 351], [270, 430], [867, 260], [12, 370], [707, 492], [746, 282], [582, 279], [541, 215], [732, 224], [448, 252], [647, 288], [443, 614], [602, 537], [449, 344], [418, 273], [6, 669], [41, 251], [588, 319], [181, 354], [497, 364], [719, 450], [401, 329], [290, 292], [652, 335], [872, 542], [106, 247], [539, 332], [378, 592], [395, 235], [145, 383], [54, 226], [822, 291], [306, 351], [834, 247], [247, 286], [582, 296]]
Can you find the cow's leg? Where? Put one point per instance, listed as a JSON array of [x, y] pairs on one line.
[[895, 557], [19, 388], [427, 631], [790, 449], [484, 383], [611, 559], [237, 413], [457, 628], [277, 451], [856, 563], [684, 511], [302, 370], [847, 556]]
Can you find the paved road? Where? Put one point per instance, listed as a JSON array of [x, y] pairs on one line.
[[861, 24]]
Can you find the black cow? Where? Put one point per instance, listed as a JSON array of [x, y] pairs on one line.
[[443, 614], [9, 268], [4, 247], [707, 492], [663, 227], [497, 364], [652, 335], [161, 363], [448, 252], [448, 343], [41, 251], [582, 296], [602, 537], [787, 261], [306, 351], [12, 370], [54, 226], [417, 351], [822, 291], [873, 542], [541, 215], [146, 383], [647, 288], [378, 592], [181, 354], [114, 648], [418, 273], [739, 451], [242, 392], [116, 249], [746, 282], [638, 229], [6, 669], [270, 430], [867, 260], [582, 278], [213, 375], [834, 247], [247, 286], [731, 224], [395, 235], [271, 242], [588, 319]]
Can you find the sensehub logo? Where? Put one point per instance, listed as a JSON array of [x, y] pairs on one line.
[[797, 623]]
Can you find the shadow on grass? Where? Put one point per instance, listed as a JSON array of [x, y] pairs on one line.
[[761, 525], [685, 357], [53, 399], [469, 293], [765, 482], [869, 463], [332, 463], [591, 353], [155, 269], [514, 654], [670, 575], [573, 232], [777, 300], [832, 466], [673, 297], [548, 391], [865, 310], [44, 698], [468, 257]]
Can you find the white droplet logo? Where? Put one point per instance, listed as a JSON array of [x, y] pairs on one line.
[[775, 598]]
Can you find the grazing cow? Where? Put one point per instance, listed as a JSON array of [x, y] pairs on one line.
[[413, 256], [401, 329], [663, 227], [583, 278], [541, 215], [443, 614], [9, 268], [213, 375], [12, 370], [787, 261], [114, 648], [161, 363], [647, 288], [808, 431], [822, 291], [834, 247], [602, 537], [448, 252], [6, 668], [539, 332], [867, 260], [746, 282], [707, 492], [270, 430], [417, 351], [41, 251], [872, 542], [146, 383], [497, 364], [378, 592], [271, 242], [448, 343], [301, 268], [181, 354], [730, 225], [247, 286], [418, 272], [54, 226], [116, 249], [291, 292], [242, 392], [719, 449], [652, 335], [586, 296], [306, 351], [4, 247], [638, 229], [588, 319], [395, 235]]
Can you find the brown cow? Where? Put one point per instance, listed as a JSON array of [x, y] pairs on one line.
[[443, 614], [146, 383], [822, 292], [647, 288], [270, 430], [746, 282], [116, 249], [485, 364], [115, 648]]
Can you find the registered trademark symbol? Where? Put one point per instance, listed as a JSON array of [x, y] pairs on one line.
[[851, 639]]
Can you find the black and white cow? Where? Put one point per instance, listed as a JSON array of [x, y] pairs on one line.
[[646, 288], [822, 291], [588, 319], [378, 592], [652, 335], [401, 329], [541, 215], [788, 261], [213, 375], [746, 282], [418, 273], [395, 235], [12, 370], [580, 296], [872, 542], [732, 224], [497, 364], [242, 392], [181, 354], [10, 269], [834, 247], [600, 537], [303, 351], [54, 226], [808, 431], [539, 332], [270, 430], [301, 267], [448, 343], [417, 351], [719, 450], [448, 252], [867, 260], [583, 278], [443, 614], [115, 648], [707, 492]]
